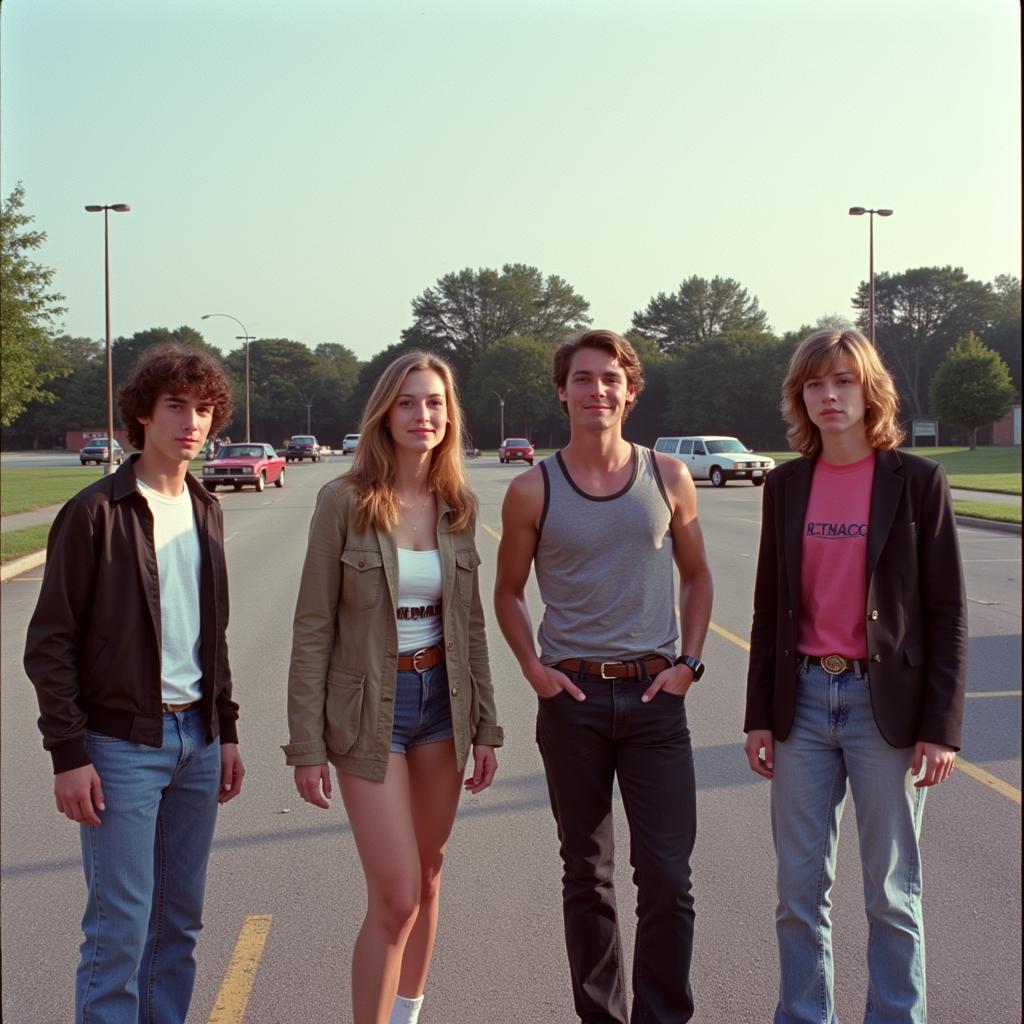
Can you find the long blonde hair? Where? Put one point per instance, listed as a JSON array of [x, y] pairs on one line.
[[374, 467], [815, 356]]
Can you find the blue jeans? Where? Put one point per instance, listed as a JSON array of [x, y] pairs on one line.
[[145, 870], [423, 711], [835, 739]]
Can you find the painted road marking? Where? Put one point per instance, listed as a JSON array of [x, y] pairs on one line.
[[993, 693], [236, 988], [492, 532], [988, 779]]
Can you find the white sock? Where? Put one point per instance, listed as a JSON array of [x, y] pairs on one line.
[[406, 1011]]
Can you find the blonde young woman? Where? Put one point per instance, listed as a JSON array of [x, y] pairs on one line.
[[857, 671], [389, 677]]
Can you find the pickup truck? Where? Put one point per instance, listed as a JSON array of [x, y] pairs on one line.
[[302, 446]]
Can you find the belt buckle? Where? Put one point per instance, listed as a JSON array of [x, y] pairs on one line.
[[834, 664], [424, 651], [604, 665]]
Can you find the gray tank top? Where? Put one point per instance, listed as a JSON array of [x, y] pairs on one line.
[[605, 567]]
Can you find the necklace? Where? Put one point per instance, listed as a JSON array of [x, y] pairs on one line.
[[417, 508]]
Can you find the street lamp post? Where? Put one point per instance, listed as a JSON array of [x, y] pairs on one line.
[[859, 211], [246, 337], [501, 406], [117, 208]]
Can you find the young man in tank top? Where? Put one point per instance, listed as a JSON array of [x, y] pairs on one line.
[[604, 522], [128, 655]]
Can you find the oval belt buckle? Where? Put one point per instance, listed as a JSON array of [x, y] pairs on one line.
[[834, 664]]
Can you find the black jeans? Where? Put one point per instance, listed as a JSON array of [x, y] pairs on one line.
[[585, 745]]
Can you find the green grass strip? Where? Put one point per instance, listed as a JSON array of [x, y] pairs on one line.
[[22, 542], [26, 489], [988, 510]]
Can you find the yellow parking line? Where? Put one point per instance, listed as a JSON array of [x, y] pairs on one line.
[[233, 996], [492, 532], [731, 637], [994, 693], [988, 779]]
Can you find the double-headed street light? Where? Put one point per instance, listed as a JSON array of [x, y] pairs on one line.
[[117, 208], [859, 211], [246, 337]]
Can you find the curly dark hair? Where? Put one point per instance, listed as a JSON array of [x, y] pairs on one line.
[[173, 368]]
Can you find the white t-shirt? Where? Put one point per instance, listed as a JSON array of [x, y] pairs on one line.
[[178, 560], [419, 599]]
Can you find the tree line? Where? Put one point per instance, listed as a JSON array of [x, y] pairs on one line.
[[712, 363]]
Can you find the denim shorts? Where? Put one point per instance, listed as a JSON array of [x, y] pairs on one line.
[[423, 713]]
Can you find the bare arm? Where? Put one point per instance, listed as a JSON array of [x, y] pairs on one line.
[[696, 590], [520, 515]]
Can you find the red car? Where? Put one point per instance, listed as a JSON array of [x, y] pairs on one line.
[[244, 464], [514, 449]]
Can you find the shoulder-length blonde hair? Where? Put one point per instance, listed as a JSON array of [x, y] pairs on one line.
[[816, 356], [372, 476]]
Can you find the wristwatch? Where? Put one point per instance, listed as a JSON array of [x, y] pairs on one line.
[[694, 664]]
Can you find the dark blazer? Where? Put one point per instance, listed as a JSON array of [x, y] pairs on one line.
[[93, 646], [916, 609]]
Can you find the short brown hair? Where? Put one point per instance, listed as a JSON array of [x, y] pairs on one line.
[[815, 356], [607, 341], [173, 368]]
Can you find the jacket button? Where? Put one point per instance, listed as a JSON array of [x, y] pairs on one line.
[[786, 653], [790, 613], [876, 657], [455, 691], [450, 645], [361, 564], [874, 615]]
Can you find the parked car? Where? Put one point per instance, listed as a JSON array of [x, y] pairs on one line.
[[349, 444], [302, 446], [326, 449], [515, 449], [244, 464], [97, 451], [470, 450], [717, 458]]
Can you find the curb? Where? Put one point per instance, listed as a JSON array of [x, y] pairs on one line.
[[988, 524], [17, 566]]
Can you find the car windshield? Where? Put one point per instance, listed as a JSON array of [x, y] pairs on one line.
[[304, 439], [240, 451], [517, 442], [726, 446]]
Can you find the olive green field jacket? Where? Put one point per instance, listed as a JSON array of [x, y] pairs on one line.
[[341, 682]]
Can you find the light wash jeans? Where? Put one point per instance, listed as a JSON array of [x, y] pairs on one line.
[[145, 869], [834, 738]]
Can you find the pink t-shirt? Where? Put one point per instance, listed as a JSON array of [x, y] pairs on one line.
[[833, 578]]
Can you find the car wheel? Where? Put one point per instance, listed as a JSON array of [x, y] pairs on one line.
[[758, 482], [530, 461], [237, 487], [261, 481], [279, 482], [717, 477], [210, 487]]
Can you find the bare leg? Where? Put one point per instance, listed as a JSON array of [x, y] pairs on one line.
[[382, 824], [434, 789]]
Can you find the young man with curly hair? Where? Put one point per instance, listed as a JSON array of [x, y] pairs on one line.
[[127, 651]]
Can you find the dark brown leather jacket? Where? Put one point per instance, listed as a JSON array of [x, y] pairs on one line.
[[93, 646]]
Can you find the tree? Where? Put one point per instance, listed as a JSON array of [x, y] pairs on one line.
[[919, 314], [972, 386], [30, 356], [1004, 335], [518, 369], [699, 311], [466, 312]]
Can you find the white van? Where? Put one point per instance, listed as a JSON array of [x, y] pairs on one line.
[[717, 458]]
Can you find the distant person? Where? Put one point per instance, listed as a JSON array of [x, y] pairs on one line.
[[857, 671], [128, 656], [604, 523], [389, 678]]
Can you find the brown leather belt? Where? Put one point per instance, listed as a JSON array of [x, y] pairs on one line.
[[614, 669], [836, 664], [428, 657], [178, 707]]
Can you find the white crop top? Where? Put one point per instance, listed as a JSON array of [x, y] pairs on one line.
[[419, 600]]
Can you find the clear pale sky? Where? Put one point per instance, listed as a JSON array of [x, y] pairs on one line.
[[311, 166]]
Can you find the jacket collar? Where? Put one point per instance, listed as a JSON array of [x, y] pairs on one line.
[[126, 483]]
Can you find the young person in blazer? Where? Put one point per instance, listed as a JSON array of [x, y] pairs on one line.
[[389, 677], [857, 670]]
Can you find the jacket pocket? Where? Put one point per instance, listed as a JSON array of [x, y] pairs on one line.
[[343, 710], [914, 656], [362, 578], [466, 562]]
